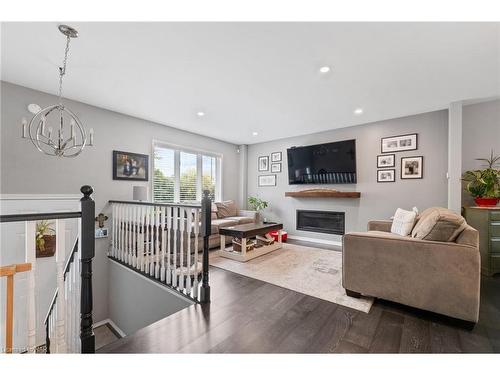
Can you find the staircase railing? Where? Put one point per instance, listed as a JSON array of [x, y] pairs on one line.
[[163, 242], [68, 322]]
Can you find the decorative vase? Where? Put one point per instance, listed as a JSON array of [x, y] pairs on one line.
[[47, 248], [486, 202]]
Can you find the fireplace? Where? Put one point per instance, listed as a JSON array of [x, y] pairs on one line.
[[321, 221]]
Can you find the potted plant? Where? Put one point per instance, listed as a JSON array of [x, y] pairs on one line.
[[484, 184], [45, 239], [257, 205]]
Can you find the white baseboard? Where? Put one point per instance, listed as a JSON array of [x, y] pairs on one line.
[[315, 240], [112, 324]]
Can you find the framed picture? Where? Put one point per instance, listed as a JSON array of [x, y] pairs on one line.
[[267, 180], [399, 143], [384, 161], [386, 175], [276, 168], [275, 156], [263, 163], [130, 166], [412, 167]]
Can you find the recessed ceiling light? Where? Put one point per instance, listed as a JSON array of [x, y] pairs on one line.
[[358, 111], [255, 134], [200, 114], [324, 69]]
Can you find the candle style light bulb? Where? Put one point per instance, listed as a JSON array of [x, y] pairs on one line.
[[72, 128], [42, 128], [49, 133], [24, 123], [91, 140]]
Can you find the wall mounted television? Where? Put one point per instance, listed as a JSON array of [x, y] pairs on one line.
[[327, 163]]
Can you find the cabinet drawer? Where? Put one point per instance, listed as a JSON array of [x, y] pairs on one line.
[[495, 229], [495, 245], [495, 215]]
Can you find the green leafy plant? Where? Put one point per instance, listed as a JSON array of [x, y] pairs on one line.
[[43, 229], [256, 203], [484, 183]]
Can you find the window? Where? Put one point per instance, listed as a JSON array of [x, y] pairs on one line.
[[181, 175]]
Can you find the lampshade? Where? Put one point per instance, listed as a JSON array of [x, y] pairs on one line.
[[140, 193]]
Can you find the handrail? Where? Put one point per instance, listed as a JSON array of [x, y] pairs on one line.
[[39, 216], [51, 306], [70, 258], [142, 203]]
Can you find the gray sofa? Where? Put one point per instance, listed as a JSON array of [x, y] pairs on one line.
[[443, 277]]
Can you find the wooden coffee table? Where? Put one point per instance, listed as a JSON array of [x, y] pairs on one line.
[[245, 231]]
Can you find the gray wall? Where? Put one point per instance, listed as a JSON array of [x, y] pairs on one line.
[[135, 302], [25, 171], [378, 200], [481, 134]]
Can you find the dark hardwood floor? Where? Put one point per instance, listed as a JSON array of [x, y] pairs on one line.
[[251, 316]]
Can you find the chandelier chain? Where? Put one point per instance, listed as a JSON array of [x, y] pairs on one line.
[[62, 70]]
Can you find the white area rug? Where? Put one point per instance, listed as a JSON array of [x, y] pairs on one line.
[[308, 270]]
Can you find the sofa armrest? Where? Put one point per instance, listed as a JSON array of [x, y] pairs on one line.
[[248, 213], [380, 225]]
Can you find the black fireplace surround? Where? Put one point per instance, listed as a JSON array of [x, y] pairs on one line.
[[330, 222]]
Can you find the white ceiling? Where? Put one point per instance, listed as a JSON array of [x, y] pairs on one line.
[[259, 77]]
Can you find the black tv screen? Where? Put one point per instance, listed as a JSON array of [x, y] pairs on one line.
[[328, 163]]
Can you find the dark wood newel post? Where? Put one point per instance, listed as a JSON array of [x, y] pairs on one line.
[[88, 251], [206, 227]]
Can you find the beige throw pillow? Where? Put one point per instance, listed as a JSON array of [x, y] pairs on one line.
[[439, 224], [214, 211], [403, 221], [226, 209]]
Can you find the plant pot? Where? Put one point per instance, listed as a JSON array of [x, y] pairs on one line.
[[48, 248], [486, 202]]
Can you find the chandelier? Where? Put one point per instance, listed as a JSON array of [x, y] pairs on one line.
[[58, 139]]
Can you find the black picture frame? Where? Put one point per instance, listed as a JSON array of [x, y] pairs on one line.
[[276, 157], [419, 176], [393, 170], [266, 175], [141, 159], [266, 167], [393, 164], [398, 147], [277, 166]]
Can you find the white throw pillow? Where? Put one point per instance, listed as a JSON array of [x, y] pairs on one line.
[[404, 221]]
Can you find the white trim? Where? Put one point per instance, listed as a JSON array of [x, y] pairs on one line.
[[315, 240], [164, 287], [112, 324], [185, 149], [53, 197]]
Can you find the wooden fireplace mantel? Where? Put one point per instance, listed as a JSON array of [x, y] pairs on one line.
[[322, 193]]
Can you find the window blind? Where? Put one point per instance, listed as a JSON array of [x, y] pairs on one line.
[[164, 175]]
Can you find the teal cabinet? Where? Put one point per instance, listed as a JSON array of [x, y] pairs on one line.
[[487, 222]]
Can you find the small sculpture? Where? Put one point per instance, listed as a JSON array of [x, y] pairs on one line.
[[101, 218]]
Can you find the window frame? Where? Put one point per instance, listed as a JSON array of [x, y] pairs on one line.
[[199, 170]]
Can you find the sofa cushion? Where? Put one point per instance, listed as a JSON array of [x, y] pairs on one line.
[[439, 224], [241, 219], [214, 211], [226, 209], [403, 221], [219, 223]]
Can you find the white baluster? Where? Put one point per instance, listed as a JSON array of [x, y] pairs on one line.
[[152, 243], [134, 235], [148, 239], [196, 229], [140, 245], [182, 224], [30, 257], [60, 260], [189, 228], [157, 243], [120, 232], [175, 218], [129, 219], [169, 244], [113, 229], [162, 227]]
